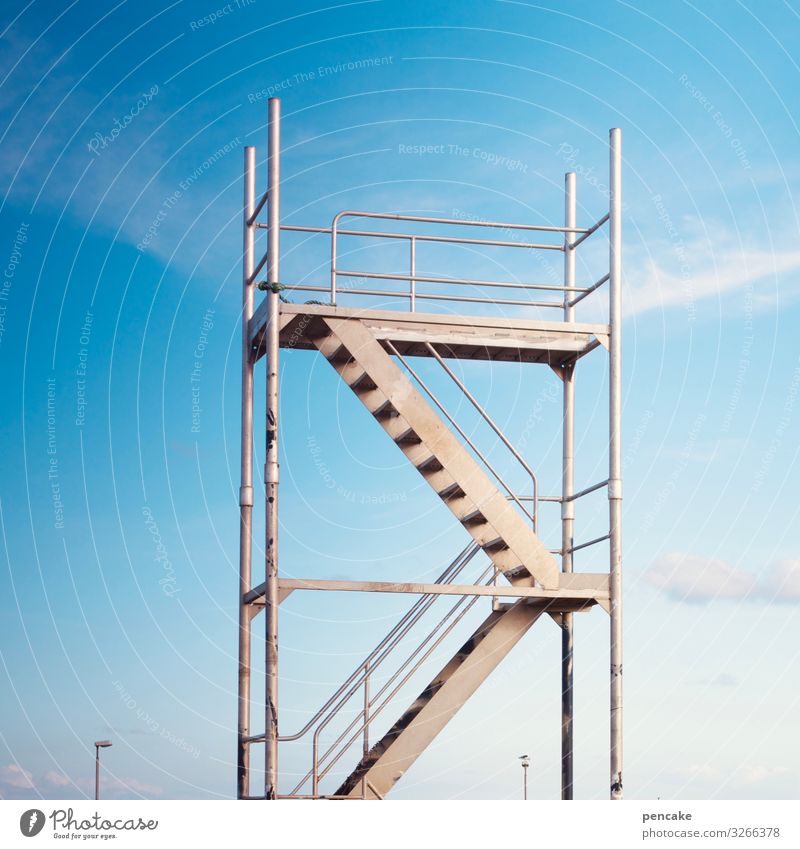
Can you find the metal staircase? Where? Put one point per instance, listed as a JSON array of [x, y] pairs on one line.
[[506, 563], [435, 452], [387, 761]]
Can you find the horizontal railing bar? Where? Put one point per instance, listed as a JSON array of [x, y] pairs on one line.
[[433, 589], [587, 233], [427, 297], [591, 542], [459, 281], [586, 491], [386, 645], [497, 225], [587, 292], [382, 234]]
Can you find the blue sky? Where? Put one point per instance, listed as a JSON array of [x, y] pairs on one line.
[[122, 136]]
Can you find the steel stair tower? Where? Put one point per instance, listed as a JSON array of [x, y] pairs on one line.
[[522, 581]]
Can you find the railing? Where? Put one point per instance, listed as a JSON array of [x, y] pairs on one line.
[[569, 295], [532, 515], [372, 705]]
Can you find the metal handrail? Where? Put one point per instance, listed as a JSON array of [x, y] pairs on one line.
[[452, 571], [488, 419], [425, 219], [366, 668], [408, 675], [481, 455]]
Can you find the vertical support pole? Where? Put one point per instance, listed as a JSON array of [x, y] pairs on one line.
[[96, 772], [365, 740], [271, 599], [413, 263], [568, 506], [615, 457], [246, 479]]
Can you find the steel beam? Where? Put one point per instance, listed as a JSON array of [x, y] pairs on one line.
[[246, 479], [572, 590], [272, 474], [567, 503], [615, 459]]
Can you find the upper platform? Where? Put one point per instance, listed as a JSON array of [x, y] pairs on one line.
[[462, 337]]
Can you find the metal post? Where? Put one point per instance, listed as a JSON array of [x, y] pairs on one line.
[[271, 599], [615, 457], [99, 744], [246, 487], [568, 505], [413, 289], [525, 764], [365, 740]]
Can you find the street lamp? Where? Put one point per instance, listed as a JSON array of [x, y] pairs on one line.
[[99, 744], [526, 762]]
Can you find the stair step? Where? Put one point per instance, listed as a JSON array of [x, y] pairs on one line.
[[329, 346], [452, 490], [448, 690], [431, 464], [407, 437], [384, 409], [362, 383], [435, 451]]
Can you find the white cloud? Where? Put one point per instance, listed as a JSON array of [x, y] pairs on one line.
[[782, 581], [57, 779], [686, 577], [13, 775], [759, 774], [694, 579]]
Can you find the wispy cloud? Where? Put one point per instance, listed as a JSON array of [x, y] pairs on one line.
[[697, 580], [12, 775]]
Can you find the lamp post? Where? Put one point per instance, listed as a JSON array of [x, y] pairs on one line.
[[99, 744], [526, 762]]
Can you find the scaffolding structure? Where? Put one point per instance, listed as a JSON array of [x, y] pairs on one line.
[[523, 580]]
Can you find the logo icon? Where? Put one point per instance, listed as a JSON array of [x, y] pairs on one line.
[[31, 822]]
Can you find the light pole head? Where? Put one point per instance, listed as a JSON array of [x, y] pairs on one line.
[[102, 744], [526, 761]]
